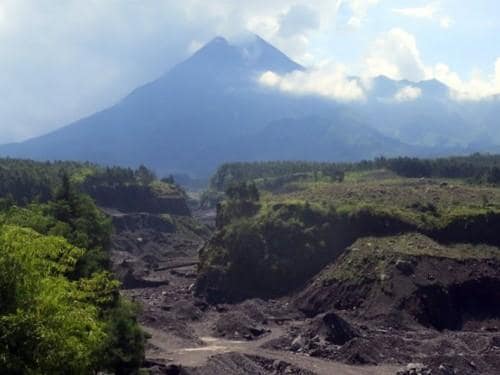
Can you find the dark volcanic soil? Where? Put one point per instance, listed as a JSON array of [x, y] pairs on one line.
[[157, 260]]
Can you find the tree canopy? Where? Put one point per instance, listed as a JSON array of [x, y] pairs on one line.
[[60, 308]]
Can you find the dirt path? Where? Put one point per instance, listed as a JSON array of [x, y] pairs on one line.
[[197, 356]]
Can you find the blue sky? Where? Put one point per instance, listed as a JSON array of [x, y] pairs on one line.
[[471, 40], [62, 60]]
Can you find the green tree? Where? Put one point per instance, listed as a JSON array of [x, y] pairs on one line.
[[144, 176], [43, 327]]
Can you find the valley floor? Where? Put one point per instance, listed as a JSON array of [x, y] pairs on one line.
[[188, 336], [182, 335]]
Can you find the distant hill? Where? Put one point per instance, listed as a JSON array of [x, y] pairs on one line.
[[210, 109]]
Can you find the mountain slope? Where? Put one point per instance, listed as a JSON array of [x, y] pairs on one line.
[[340, 137], [166, 122], [210, 109], [430, 119]]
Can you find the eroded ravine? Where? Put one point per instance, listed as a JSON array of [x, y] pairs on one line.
[[181, 328], [193, 337]]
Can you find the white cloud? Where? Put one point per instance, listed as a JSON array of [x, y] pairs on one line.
[[270, 79], [194, 46], [478, 87], [427, 11], [352, 13], [299, 19], [408, 94], [330, 81], [445, 22], [395, 55], [497, 73], [3, 18], [430, 12], [354, 23]]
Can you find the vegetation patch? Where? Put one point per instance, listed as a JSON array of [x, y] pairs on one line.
[[60, 308], [23, 182], [284, 237], [279, 246], [371, 258]]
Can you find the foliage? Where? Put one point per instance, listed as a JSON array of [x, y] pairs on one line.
[[144, 176], [124, 352], [87, 227], [42, 328], [245, 191], [476, 168], [60, 310], [25, 181], [234, 173], [242, 201], [369, 258]]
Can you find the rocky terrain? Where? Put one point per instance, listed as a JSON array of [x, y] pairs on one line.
[[404, 302]]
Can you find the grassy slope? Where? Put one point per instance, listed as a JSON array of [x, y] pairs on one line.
[[426, 203], [371, 258]]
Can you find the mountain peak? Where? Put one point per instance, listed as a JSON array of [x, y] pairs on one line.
[[217, 50], [264, 56], [251, 53], [217, 42], [434, 86]]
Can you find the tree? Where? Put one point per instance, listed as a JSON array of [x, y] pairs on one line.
[[245, 191], [43, 327], [169, 180], [493, 176], [144, 175]]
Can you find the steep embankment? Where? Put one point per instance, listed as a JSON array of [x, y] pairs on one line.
[[153, 199], [150, 219], [410, 278], [282, 244], [149, 227], [285, 244]]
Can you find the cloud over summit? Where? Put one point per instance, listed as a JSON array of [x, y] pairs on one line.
[[330, 81]]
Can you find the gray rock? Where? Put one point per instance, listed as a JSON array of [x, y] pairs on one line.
[[298, 343]]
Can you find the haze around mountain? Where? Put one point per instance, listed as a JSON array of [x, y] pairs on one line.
[[249, 101]]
